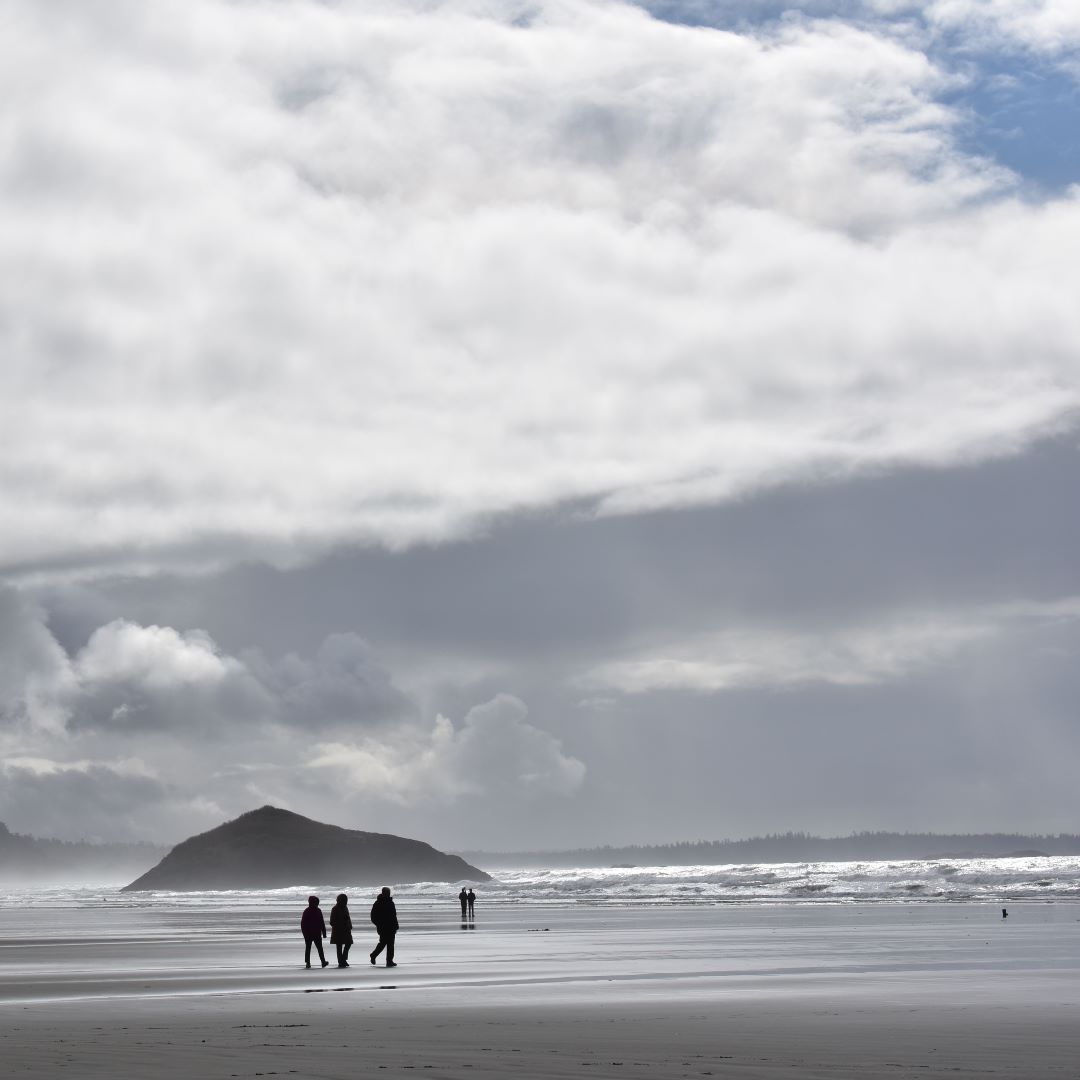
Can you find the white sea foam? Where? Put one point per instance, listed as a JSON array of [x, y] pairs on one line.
[[938, 879], [1024, 878]]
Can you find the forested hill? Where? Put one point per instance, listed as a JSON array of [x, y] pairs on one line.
[[30, 860], [794, 847]]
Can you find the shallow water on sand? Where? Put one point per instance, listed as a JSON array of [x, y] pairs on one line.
[[68, 946]]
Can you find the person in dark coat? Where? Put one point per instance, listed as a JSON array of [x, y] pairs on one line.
[[384, 916], [463, 896], [341, 929], [313, 927], [471, 897]]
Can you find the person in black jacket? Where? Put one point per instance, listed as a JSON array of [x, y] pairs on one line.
[[313, 927], [463, 898], [341, 929], [384, 916]]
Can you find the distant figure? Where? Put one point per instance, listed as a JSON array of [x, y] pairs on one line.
[[463, 897], [313, 927], [471, 897], [341, 929], [1004, 913], [384, 916]]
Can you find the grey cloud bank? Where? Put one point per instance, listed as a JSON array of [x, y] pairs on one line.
[[146, 717], [537, 425], [893, 653]]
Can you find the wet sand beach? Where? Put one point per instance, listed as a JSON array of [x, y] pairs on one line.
[[157, 989]]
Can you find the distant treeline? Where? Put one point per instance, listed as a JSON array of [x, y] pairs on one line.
[[793, 847], [31, 860]]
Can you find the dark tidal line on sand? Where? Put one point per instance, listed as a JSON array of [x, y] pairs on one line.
[[421, 983]]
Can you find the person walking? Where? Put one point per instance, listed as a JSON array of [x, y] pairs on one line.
[[341, 930], [313, 927], [471, 897], [384, 916], [463, 897]]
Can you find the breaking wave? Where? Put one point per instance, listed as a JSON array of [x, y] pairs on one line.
[[917, 881], [1049, 877]]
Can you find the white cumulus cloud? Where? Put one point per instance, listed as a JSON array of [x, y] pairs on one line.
[[158, 656]]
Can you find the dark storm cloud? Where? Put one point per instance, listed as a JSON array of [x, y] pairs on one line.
[[342, 683]]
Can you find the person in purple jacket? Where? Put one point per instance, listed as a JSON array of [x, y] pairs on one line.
[[313, 927]]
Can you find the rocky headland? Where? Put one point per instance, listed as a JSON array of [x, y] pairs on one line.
[[270, 848]]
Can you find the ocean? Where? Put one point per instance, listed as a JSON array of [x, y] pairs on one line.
[[870, 969], [994, 879], [556, 936], [910, 881]]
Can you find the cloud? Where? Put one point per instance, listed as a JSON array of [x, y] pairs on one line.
[[96, 800], [344, 683], [1046, 26], [297, 274], [130, 677], [149, 727], [157, 656], [496, 752], [34, 669], [153, 678], [883, 652]]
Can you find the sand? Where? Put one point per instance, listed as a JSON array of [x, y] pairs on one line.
[[731, 991]]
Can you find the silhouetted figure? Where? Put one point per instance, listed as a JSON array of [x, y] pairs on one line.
[[463, 897], [341, 929], [384, 916], [471, 897], [313, 927], [1004, 913]]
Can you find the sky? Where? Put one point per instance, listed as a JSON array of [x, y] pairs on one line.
[[529, 425]]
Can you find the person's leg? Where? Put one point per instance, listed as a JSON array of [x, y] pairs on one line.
[[322, 955], [390, 950], [378, 949], [307, 951], [345, 951], [340, 957]]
